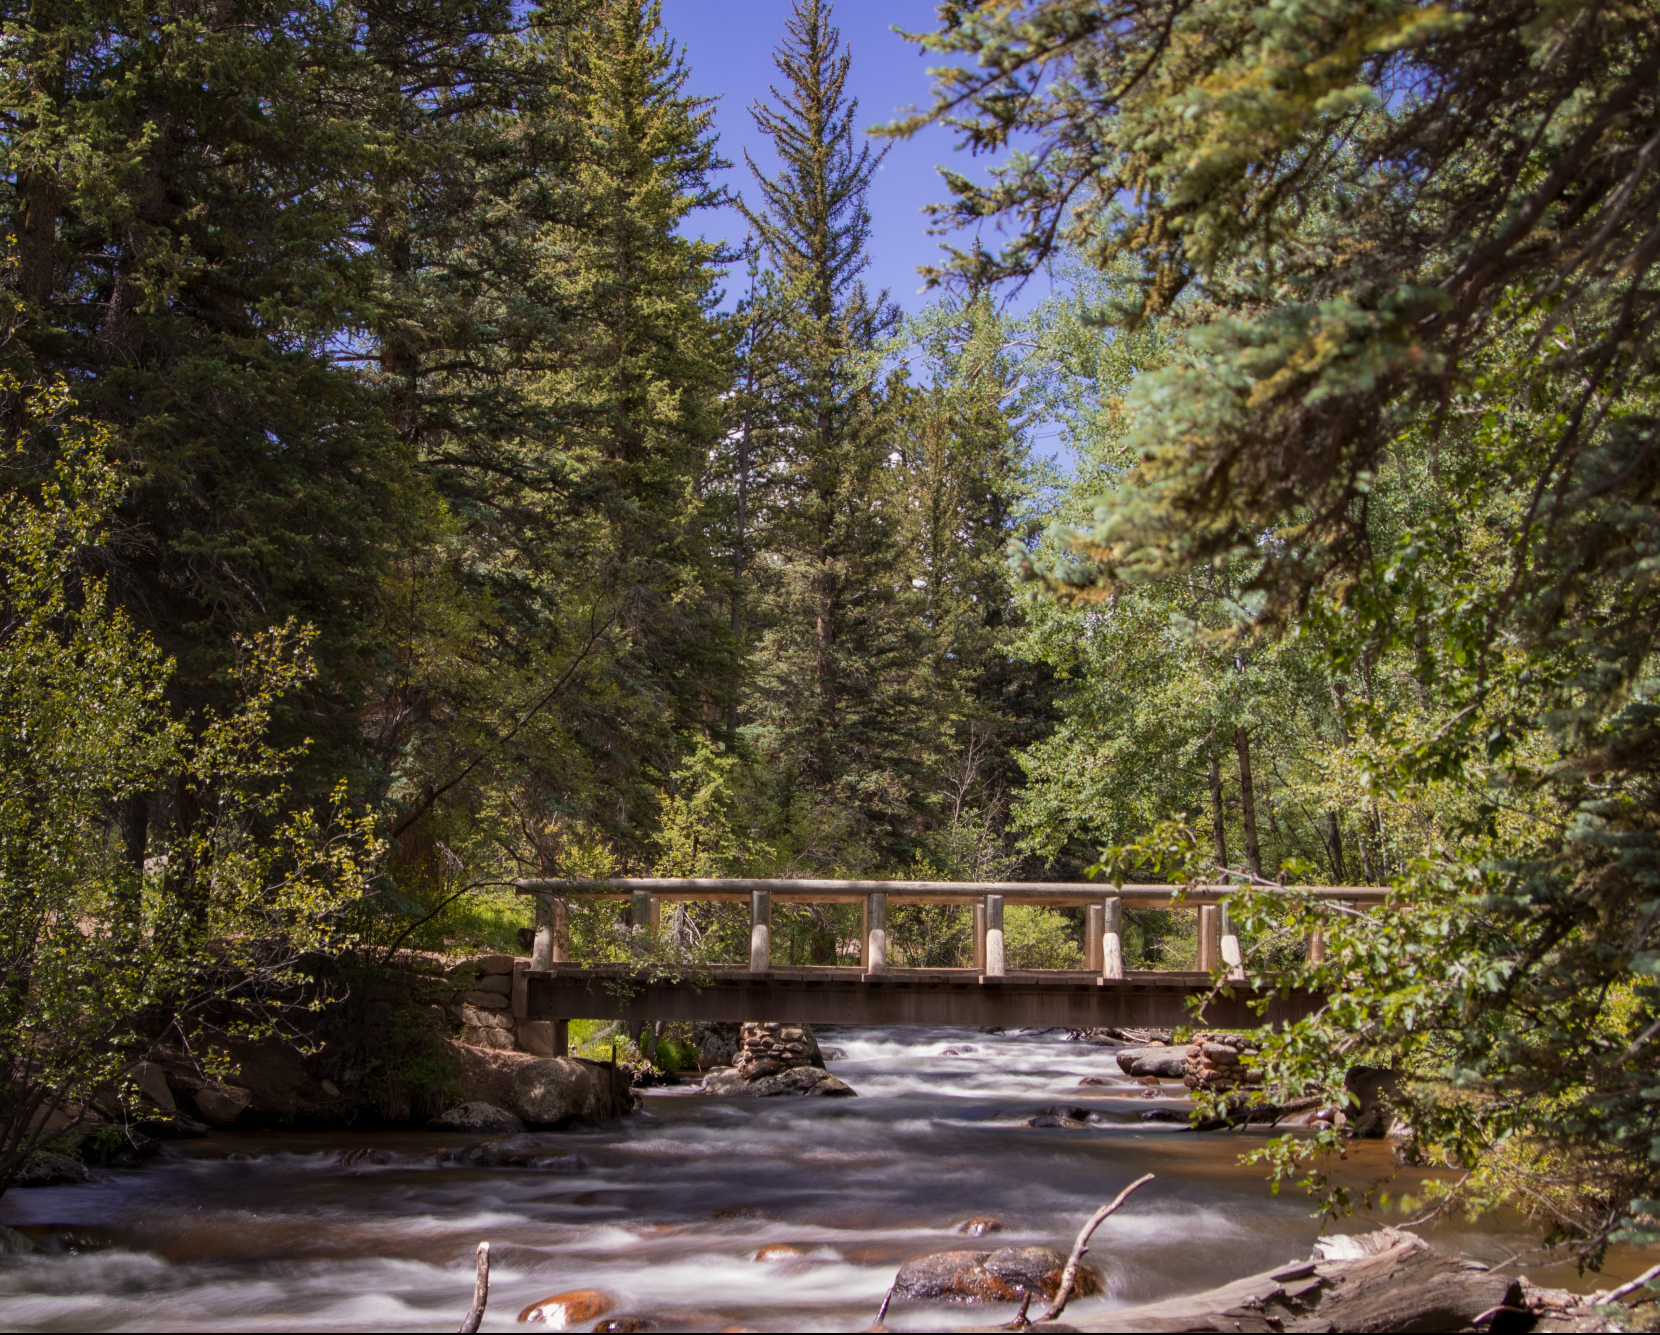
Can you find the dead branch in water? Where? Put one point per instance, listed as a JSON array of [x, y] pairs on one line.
[[1069, 1276], [481, 1292]]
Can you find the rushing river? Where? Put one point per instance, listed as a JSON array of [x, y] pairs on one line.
[[670, 1207]]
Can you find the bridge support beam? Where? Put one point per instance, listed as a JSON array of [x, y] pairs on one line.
[[904, 996]]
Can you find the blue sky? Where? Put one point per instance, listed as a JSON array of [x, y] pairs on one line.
[[729, 46]]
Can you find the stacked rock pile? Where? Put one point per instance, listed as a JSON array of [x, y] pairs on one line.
[[773, 1048], [1218, 1063]]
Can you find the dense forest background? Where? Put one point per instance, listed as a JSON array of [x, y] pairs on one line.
[[399, 499]]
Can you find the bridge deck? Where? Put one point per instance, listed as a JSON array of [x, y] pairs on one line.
[[1073, 999]]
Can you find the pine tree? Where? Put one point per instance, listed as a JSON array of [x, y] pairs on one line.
[[585, 635], [832, 665]]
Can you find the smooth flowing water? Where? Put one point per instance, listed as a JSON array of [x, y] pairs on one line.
[[671, 1206]]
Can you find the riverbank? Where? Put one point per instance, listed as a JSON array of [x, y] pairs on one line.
[[665, 1211]]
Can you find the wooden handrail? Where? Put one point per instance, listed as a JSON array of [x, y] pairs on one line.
[[1051, 894]]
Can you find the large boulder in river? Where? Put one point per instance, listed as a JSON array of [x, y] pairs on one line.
[[551, 1090], [982, 1277], [811, 1081], [530, 1087]]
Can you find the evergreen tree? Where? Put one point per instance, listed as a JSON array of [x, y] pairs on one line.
[[831, 675], [574, 634], [1413, 406]]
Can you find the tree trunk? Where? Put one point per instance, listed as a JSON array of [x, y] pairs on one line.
[[1334, 834], [1248, 801], [1218, 826]]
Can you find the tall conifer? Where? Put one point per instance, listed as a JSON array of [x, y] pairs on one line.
[[832, 665]]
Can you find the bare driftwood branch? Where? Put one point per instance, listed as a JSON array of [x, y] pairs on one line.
[[481, 1291], [1069, 1276], [882, 1311], [1630, 1286]]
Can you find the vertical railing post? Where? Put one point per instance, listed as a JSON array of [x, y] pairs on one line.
[[1094, 926], [1209, 943], [640, 909], [1231, 954], [980, 937], [561, 931], [1112, 937], [541, 948], [760, 931], [994, 936], [864, 933], [1316, 947], [876, 940]]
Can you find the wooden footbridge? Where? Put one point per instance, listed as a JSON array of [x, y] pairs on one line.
[[1103, 994]]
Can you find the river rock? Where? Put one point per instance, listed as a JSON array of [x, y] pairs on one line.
[[1000, 1276], [779, 1251], [476, 1116], [1037, 1270], [151, 1081], [775, 1047], [811, 1081], [48, 1169], [1097, 1080], [487, 1076], [550, 1090], [220, 1105], [1050, 1119], [959, 1277], [1166, 1063], [980, 1225], [563, 1311], [716, 1043]]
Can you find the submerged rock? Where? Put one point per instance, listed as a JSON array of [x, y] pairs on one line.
[[980, 1225], [810, 1081], [476, 1116]]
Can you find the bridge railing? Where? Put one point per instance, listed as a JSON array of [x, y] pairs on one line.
[[1103, 905]]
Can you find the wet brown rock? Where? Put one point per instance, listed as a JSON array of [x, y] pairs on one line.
[[576, 1307], [779, 1251], [957, 1277], [623, 1325], [1097, 1080], [980, 1225], [1037, 1270]]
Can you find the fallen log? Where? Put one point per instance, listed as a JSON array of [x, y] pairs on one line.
[[1377, 1282]]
